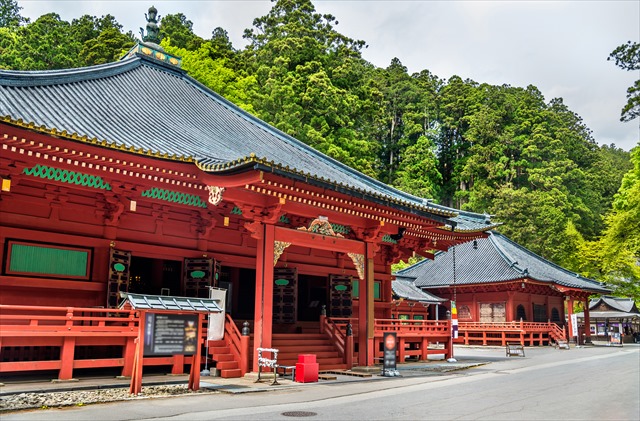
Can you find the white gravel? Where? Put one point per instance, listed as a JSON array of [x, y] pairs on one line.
[[86, 397]]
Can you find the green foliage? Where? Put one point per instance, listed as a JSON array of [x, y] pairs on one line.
[[627, 57], [493, 149], [10, 14], [180, 31]]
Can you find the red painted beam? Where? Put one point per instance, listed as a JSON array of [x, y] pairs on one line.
[[319, 241]]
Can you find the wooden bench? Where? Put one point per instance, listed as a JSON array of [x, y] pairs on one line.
[[514, 349], [283, 369]]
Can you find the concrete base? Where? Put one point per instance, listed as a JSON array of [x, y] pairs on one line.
[[63, 381]]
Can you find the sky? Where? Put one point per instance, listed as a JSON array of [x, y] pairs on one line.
[[561, 47]]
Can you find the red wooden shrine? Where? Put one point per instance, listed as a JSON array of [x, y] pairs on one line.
[[133, 177]]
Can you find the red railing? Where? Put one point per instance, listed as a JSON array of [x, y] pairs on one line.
[[37, 338], [499, 333]]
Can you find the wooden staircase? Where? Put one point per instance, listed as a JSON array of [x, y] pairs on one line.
[[293, 344], [224, 360]]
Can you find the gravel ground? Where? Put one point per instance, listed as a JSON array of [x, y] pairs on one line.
[[86, 397]]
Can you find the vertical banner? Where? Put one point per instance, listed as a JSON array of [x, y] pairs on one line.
[[454, 320], [215, 331], [574, 325], [389, 355]]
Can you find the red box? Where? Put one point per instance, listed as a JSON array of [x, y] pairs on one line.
[[307, 358], [307, 372]]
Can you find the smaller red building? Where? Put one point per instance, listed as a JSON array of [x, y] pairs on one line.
[[504, 292]]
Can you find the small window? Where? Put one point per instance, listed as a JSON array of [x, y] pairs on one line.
[[355, 289], [418, 317], [521, 313]]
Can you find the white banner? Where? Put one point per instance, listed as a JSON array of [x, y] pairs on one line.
[[574, 324], [215, 330]]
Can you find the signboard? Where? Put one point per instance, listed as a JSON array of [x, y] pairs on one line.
[[170, 334], [389, 355], [574, 324], [615, 338]]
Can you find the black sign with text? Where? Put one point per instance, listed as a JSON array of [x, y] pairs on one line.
[[170, 334], [390, 347]]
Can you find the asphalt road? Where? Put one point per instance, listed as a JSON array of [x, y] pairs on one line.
[[579, 384]]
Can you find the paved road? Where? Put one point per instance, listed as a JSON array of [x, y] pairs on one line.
[[583, 383]]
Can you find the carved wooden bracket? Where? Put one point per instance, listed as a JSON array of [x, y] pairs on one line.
[[321, 226], [254, 229], [279, 248], [358, 262]]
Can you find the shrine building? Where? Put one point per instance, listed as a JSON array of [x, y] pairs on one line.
[[133, 177], [504, 292]]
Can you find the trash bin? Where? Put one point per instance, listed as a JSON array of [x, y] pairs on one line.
[[307, 368]]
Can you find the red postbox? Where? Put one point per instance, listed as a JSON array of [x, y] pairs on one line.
[[307, 368]]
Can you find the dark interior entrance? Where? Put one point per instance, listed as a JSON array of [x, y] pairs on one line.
[[155, 276], [312, 295]]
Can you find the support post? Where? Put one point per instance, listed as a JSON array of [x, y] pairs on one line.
[[263, 317], [348, 348], [570, 322], [323, 318], [136, 376], [366, 311], [587, 323], [128, 355], [67, 355], [194, 375], [244, 349]]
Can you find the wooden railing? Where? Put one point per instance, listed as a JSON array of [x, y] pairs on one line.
[[499, 333], [38, 338], [412, 327]]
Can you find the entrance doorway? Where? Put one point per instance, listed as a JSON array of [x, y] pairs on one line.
[[312, 295], [155, 276]]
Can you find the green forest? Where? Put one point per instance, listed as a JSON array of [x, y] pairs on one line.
[[507, 151]]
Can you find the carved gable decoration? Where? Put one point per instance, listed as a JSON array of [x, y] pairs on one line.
[[215, 194], [321, 226]]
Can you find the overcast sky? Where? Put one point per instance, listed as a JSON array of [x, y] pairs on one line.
[[561, 47]]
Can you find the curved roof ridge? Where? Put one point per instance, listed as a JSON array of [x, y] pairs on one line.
[[550, 263], [511, 261], [27, 78]]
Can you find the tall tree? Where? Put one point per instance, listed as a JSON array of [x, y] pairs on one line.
[[179, 30], [627, 57], [10, 14]]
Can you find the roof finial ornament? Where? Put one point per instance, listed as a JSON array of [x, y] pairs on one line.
[[153, 32]]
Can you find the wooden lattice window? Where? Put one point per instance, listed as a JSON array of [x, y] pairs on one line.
[[355, 290], [492, 312], [464, 313], [555, 315]]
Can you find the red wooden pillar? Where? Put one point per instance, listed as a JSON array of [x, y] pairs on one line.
[[510, 306], [136, 376], [128, 356], [263, 318], [570, 323], [365, 311], [587, 322]]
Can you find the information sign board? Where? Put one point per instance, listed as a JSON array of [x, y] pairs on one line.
[[389, 355], [170, 334]]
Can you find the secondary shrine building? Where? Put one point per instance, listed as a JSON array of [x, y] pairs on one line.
[[132, 176], [504, 292]]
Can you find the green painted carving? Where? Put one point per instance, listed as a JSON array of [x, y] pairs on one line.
[[340, 229], [66, 176], [175, 197], [236, 211], [284, 219], [340, 287], [197, 274], [119, 267], [282, 282], [387, 239]]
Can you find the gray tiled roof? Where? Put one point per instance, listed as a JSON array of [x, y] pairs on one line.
[[618, 303], [145, 105], [406, 289], [162, 302], [496, 259]]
